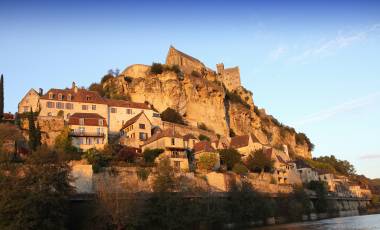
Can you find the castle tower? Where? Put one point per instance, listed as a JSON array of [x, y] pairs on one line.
[[220, 68]]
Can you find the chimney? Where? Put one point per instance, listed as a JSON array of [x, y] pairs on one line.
[[74, 87], [40, 91]]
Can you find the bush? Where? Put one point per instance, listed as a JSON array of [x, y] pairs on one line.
[[229, 157], [259, 162], [127, 154], [202, 126], [97, 159], [172, 115], [301, 139], [106, 78], [233, 97], [203, 137], [150, 155], [240, 169], [143, 173], [97, 88], [157, 68], [207, 161]]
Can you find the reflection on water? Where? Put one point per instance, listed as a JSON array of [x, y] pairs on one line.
[[368, 222]]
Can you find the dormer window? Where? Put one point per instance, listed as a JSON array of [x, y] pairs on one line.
[[88, 98], [69, 97], [51, 96], [60, 96]]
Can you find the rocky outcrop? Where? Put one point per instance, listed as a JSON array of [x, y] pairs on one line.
[[205, 100]]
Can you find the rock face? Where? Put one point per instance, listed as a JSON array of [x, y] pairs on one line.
[[205, 100]]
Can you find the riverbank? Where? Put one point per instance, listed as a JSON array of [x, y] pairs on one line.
[[352, 222]]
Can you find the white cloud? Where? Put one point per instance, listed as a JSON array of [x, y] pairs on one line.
[[332, 45], [338, 109], [277, 53]]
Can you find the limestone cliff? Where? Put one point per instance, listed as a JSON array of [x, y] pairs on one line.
[[203, 99]]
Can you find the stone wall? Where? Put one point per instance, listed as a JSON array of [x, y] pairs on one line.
[[50, 128]]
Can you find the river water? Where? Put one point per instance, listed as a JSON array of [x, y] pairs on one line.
[[367, 222]]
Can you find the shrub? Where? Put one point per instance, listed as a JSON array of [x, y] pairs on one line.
[[157, 68], [207, 161], [203, 137], [172, 115], [229, 157], [240, 169], [97, 88], [127, 154], [150, 155], [60, 113], [97, 159], [233, 97], [106, 78], [258, 161], [301, 139], [143, 173], [202, 126], [195, 73]]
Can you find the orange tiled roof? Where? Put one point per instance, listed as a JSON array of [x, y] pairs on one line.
[[81, 95], [90, 119], [133, 120], [126, 104], [204, 146], [161, 134]]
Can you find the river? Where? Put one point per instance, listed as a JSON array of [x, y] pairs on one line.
[[367, 222]]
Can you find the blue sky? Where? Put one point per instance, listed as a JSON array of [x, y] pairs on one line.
[[315, 66]]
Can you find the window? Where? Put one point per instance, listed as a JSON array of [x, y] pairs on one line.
[[68, 115], [81, 140], [100, 122], [69, 97], [113, 110], [88, 98], [69, 106], [50, 104], [173, 141], [129, 111], [84, 107], [59, 105], [93, 107], [81, 130], [51, 96], [143, 136], [26, 109], [81, 121], [156, 115], [142, 126], [60, 96]]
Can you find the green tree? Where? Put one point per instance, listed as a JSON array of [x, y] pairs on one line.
[[1, 97], [63, 145], [320, 188], [150, 155], [341, 166], [164, 181], [259, 161], [34, 132], [172, 115], [203, 137], [157, 68], [97, 88], [240, 169], [207, 161], [34, 194], [229, 157]]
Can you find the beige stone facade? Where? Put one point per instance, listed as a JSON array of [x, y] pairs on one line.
[[174, 148], [184, 61], [88, 131], [29, 101], [136, 130]]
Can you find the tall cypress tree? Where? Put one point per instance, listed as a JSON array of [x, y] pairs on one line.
[[1, 97]]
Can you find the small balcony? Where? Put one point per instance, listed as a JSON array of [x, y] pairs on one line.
[[86, 134]]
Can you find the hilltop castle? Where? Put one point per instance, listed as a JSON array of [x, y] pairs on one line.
[[230, 77]]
